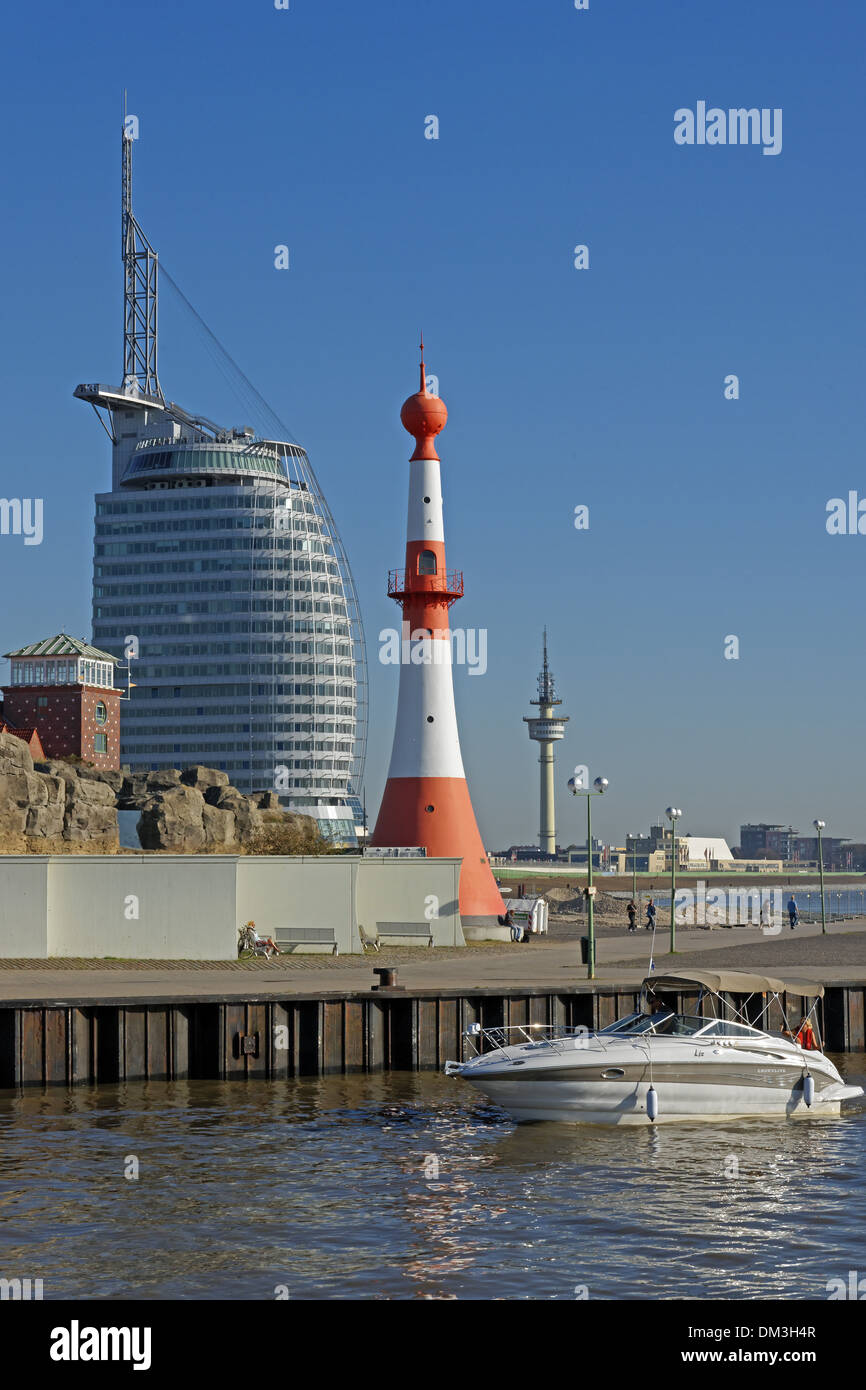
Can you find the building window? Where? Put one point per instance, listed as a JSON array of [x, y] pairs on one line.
[[427, 562], [100, 743], [101, 713], [41, 701]]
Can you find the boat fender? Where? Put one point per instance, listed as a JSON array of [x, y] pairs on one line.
[[652, 1102], [808, 1088]]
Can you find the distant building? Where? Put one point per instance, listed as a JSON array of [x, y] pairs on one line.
[[28, 736], [519, 854], [784, 843], [838, 857], [703, 852], [545, 729], [600, 855], [64, 689], [767, 842], [647, 844]]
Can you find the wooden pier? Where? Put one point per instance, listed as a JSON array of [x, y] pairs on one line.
[[164, 1038]]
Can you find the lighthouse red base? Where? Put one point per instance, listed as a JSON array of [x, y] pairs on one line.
[[437, 812]]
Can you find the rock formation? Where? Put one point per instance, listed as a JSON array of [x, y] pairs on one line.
[[61, 807]]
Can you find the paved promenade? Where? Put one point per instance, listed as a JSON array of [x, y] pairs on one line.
[[838, 956]]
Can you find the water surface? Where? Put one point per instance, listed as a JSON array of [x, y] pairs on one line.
[[410, 1185]]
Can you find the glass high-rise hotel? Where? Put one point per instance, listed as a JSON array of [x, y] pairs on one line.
[[217, 561]]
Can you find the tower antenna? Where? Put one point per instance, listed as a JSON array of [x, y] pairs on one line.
[[140, 272], [545, 729]]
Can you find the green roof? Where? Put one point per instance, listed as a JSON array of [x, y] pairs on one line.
[[63, 645]]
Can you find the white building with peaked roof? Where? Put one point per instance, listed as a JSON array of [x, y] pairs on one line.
[[700, 851]]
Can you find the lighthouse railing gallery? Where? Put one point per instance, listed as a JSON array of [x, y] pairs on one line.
[[449, 584]]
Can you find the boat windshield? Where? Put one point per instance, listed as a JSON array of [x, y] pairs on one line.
[[622, 1024], [672, 1025], [723, 1028], [661, 1021]]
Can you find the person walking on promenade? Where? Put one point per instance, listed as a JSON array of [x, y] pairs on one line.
[[650, 916], [793, 911], [632, 915]]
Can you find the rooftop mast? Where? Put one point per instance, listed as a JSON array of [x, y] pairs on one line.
[[140, 267]]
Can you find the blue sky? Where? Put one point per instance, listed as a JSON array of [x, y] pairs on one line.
[[603, 387]]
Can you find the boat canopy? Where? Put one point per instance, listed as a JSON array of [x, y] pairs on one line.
[[733, 982]]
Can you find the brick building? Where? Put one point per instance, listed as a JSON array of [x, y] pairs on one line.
[[64, 688]]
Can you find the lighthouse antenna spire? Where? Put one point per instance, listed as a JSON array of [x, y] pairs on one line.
[[423, 368]]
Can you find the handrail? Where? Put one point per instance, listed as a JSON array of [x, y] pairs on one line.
[[550, 1034], [561, 1037], [449, 582]]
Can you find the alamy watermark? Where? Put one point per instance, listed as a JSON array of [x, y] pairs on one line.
[[77, 1343], [20, 1290], [737, 126], [451, 647], [22, 516], [730, 907], [846, 518], [854, 1289]]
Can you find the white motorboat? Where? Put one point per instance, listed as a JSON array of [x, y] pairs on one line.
[[658, 1064]]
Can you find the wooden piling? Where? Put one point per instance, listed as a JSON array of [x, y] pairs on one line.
[[165, 1039]]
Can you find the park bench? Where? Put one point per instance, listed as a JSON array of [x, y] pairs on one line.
[[287, 937], [407, 931]]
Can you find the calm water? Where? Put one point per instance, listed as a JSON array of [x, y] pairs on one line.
[[320, 1186]]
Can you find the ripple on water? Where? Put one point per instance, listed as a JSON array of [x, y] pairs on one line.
[[408, 1185]]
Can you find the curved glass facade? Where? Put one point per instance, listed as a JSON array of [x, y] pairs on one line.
[[206, 459], [223, 561]]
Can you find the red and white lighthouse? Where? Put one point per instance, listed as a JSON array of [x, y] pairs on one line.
[[426, 800]]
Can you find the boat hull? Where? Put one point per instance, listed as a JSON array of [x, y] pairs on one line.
[[625, 1103]]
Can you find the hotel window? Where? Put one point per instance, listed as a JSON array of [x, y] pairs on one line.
[[100, 743], [37, 673], [427, 562], [101, 713]]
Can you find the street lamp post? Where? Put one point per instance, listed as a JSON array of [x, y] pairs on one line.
[[673, 814], [819, 826], [599, 785]]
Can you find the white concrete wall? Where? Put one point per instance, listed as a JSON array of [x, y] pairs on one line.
[[24, 906], [188, 907], [138, 906], [304, 892], [428, 893]]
